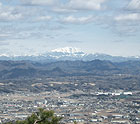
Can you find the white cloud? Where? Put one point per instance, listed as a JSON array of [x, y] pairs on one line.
[[68, 4], [63, 10], [2, 43], [8, 14], [128, 17], [86, 4], [127, 23], [78, 20], [134, 4], [40, 2], [44, 18]]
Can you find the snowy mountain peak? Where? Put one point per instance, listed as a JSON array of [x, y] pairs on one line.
[[70, 50], [137, 57]]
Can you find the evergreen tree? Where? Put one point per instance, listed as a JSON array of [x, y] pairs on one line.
[[41, 117]]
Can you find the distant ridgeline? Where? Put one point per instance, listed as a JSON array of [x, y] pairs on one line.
[[22, 69], [67, 53], [22, 75]]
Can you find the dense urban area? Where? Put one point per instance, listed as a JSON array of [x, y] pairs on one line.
[[105, 96]]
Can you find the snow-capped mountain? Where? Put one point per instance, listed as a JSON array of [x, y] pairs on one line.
[[67, 53], [70, 50]]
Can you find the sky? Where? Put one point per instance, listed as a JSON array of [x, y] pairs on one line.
[[31, 27]]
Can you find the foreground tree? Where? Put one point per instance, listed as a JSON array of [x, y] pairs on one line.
[[41, 117]]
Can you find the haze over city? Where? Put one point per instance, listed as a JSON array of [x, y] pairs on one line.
[[102, 26]]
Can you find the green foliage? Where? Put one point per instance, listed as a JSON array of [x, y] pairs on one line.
[[41, 117], [75, 122]]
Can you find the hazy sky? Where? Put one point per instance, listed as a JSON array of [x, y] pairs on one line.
[[103, 26]]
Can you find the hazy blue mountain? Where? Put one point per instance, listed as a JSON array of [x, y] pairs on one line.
[[68, 53], [17, 69]]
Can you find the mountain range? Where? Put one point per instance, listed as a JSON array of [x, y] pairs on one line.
[[68, 53], [21, 75], [19, 69]]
